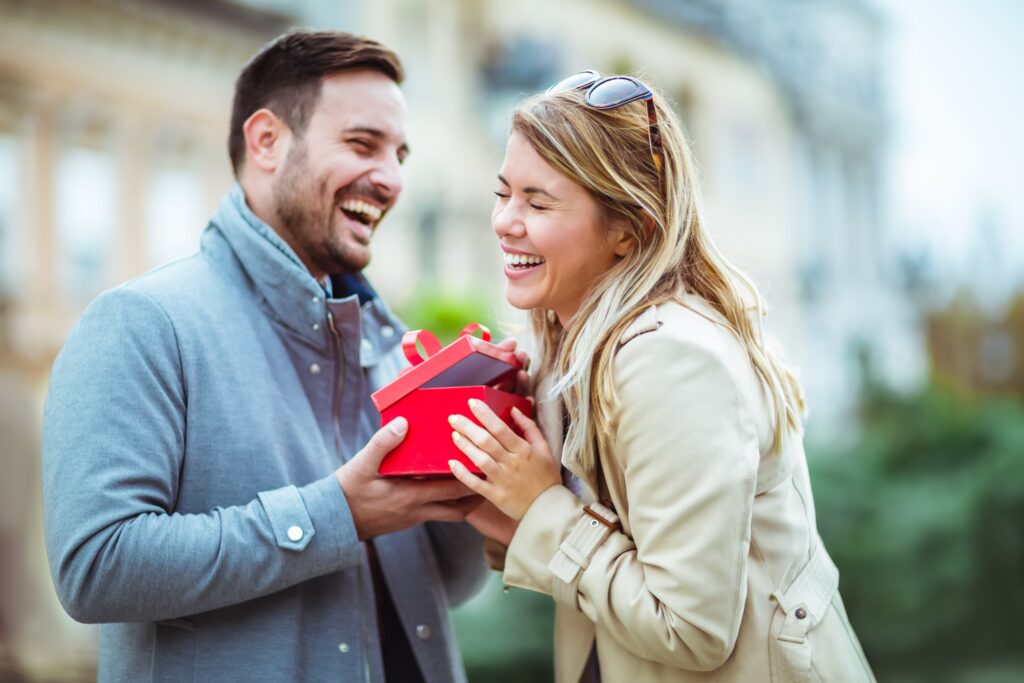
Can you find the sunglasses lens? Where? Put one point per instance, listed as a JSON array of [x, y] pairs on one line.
[[574, 82], [615, 91]]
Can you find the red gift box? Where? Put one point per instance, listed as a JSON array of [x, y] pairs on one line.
[[440, 383]]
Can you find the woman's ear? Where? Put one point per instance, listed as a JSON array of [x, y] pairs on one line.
[[621, 242]]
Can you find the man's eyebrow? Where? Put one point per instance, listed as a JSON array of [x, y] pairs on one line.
[[375, 133], [528, 190]]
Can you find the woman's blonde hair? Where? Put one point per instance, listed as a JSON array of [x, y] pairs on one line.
[[607, 152]]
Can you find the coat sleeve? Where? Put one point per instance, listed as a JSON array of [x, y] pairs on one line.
[[673, 591], [113, 446]]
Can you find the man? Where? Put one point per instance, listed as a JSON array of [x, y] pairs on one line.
[[210, 456]]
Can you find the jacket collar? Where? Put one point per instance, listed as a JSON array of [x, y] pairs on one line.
[[288, 290]]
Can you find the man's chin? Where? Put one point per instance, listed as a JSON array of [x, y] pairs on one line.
[[350, 258]]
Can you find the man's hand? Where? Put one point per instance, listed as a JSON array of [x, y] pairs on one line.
[[382, 505]]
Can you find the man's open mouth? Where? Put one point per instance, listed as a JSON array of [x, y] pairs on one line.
[[361, 211]]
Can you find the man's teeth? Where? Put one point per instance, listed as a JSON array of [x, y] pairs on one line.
[[360, 207], [523, 260]]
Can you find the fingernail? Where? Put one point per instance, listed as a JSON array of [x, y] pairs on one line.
[[452, 464], [452, 419], [516, 411], [456, 437], [398, 426], [473, 403]]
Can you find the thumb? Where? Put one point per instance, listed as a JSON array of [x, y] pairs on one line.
[[384, 441]]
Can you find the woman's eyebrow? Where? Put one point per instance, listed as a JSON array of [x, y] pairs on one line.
[[528, 190]]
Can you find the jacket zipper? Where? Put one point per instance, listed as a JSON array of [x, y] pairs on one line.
[[339, 381], [339, 386]]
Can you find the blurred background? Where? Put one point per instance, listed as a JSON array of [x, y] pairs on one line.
[[862, 160]]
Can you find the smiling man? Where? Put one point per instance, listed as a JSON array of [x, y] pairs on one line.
[[210, 453]]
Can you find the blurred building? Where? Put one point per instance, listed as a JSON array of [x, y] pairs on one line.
[[113, 120]]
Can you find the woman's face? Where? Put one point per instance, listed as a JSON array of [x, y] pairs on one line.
[[556, 243]]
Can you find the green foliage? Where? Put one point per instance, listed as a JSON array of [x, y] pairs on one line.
[[507, 637], [445, 312], [925, 519]]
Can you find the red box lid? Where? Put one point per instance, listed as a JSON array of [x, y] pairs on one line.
[[467, 361]]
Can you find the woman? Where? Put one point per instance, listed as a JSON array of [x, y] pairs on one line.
[[682, 545]]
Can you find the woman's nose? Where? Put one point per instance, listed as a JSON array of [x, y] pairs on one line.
[[506, 221]]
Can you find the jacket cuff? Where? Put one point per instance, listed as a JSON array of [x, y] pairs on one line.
[[319, 510], [332, 518], [537, 539]]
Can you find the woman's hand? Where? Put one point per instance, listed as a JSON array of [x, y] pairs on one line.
[[518, 469], [492, 522]]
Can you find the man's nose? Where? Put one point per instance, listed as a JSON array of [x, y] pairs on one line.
[[387, 179]]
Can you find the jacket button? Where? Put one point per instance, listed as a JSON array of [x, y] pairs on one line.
[[367, 345], [314, 369], [801, 613], [342, 648], [316, 326], [422, 631], [295, 533], [387, 331]]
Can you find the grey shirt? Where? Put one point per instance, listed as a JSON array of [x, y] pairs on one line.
[[194, 421]]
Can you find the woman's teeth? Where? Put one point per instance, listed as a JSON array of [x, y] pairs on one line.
[[367, 212], [522, 260]]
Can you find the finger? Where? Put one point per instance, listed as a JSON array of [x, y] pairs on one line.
[[485, 462], [531, 432], [504, 435], [524, 359], [480, 437], [471, 481], [383, 442], [508, 344], [454, 511], [437, 490]]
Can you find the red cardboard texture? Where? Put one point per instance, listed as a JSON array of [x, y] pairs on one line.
[[440, 383]]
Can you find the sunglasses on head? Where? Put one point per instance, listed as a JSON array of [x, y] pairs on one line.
[[610, 92]]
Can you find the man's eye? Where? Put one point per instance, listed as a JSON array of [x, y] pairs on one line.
[[501, 194], [362, 144], [538, 207]]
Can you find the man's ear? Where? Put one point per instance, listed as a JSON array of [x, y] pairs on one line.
[[266, 140]]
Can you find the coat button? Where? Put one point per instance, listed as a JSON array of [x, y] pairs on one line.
[[422, 631], [342, 648], [387, 331], [801, 613], [316, 326], [314, 369], [316, 299], [367, 345], [295, 533]]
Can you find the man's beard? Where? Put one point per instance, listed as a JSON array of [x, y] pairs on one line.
[[298, 199]]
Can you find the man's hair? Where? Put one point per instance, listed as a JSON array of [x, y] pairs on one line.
[[286, 75]]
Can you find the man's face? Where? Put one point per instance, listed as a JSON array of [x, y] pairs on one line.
[[341, 177]]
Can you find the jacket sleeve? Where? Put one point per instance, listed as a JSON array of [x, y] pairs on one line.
[[673, 591], [113, 446]]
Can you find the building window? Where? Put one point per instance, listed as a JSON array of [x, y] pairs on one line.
[[86, 217], [11, 250], [173, 215]]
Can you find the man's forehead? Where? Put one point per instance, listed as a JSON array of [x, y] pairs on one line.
[[366, 101]]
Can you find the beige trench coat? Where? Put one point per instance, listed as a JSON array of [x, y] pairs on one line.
[[717, 573]]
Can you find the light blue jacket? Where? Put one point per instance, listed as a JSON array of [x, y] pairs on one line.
[[194, 419]]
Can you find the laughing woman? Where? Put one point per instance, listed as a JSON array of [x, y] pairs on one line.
[[681, 543]]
